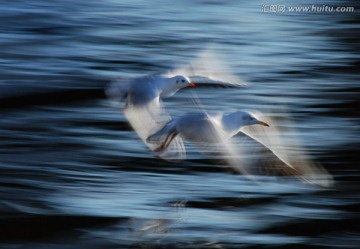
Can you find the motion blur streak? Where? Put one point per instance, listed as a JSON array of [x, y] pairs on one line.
[[74, 174]]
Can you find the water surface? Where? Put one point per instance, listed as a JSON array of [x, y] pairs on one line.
[[74, 174]]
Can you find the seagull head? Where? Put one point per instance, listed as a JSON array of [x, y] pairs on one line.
[[174, 84], [181, 81], [251, 119], [239, 119], [233, 122]]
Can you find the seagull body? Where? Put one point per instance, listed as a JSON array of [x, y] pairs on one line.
[[143, 90], [205, 128]]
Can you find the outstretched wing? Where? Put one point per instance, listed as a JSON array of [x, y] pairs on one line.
[[285, 146], [209, 69]]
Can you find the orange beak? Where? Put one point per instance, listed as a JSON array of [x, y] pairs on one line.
[[192, 84], [263, 123]]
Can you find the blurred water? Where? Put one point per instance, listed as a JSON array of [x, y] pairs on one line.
[[74, 175]]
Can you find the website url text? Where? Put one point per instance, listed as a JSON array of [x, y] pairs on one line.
[[309, 9]]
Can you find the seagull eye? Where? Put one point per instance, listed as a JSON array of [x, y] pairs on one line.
[[182, 81]]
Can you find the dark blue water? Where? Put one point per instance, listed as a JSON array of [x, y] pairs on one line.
[[74, 174]]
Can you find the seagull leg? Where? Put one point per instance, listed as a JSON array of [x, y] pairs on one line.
[[164, 145]]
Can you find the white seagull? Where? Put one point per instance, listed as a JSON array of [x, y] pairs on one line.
[[143, 108], [202, 127], [218, 130]]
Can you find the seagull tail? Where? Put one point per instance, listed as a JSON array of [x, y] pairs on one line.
[[117, 89]]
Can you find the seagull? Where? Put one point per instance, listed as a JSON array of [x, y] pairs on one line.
[[219, 129], [143, 108], [202, 127]]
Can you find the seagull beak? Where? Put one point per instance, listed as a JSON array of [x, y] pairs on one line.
[[263, 123], [192, 84]]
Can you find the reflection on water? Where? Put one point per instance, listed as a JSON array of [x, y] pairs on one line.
[[74, 174]]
